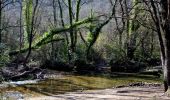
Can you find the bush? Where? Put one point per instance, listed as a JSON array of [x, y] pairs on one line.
[[154, 61], [4, 57], [81, 65], [127, 66], [54, 65]]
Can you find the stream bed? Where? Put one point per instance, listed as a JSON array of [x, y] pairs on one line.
[[69, 83]]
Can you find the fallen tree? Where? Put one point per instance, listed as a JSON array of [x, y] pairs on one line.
[[36, 46], [45, 38]]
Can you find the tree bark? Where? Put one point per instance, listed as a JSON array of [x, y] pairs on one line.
[[0, 21], [71, 24], [30, 36], [53, 54], [165, 4], [20, 37], [164, 37], [63, 25], [76, 20], [167, 55]]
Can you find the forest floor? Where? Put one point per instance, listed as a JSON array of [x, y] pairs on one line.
[[144, 92]]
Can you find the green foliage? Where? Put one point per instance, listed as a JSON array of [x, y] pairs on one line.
[[80, 52], [89, 37], [116, 55], [62, 54], [4, 57]]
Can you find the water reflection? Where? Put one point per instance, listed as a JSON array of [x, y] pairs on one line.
[[73, 83]]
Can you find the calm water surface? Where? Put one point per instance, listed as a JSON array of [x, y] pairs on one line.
[[73, 83]]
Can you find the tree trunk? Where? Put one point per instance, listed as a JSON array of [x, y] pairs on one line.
[[0, 21], [71, 24], [76, 20], [54, 12], [20, 37], [53, 55], [167, 55], [131, 28], [30, 35], [63, 25], [165, 4]]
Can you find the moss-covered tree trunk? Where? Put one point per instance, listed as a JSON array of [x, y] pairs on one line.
[[131, 28], [95, 31], [29, 13], [76, 20], [45, 38]]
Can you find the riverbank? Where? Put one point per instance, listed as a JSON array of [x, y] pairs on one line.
[[64, 85], [144, 92]]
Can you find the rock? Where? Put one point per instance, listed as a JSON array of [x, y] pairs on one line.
[[12, 95]]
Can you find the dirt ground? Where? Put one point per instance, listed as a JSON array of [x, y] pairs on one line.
[[145, 92]]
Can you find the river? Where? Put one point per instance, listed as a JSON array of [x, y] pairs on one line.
[[70, 83]]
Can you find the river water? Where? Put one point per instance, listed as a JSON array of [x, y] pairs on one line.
[[68, 83]]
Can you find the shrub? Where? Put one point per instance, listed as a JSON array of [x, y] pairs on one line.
[[4, 57], [60, 66], [127, 66], [81, 65]]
